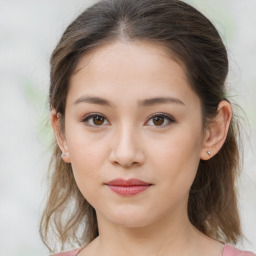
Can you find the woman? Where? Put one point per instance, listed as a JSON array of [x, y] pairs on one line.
[[146, 157]]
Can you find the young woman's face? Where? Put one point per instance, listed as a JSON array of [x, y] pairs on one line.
[[133, 131]]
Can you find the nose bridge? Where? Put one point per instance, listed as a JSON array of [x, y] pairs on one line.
[[126, 148]]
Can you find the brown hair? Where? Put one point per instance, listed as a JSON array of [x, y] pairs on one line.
[[196, 44]]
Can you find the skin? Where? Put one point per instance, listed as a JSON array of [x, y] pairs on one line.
[[129, 143]]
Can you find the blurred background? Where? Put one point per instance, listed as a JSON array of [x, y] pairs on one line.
[[29, 31]]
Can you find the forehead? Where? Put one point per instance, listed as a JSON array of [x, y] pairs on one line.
[[141, 69], [117, 52]]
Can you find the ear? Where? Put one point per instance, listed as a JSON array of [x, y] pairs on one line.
[[60, 137], [216, 132]]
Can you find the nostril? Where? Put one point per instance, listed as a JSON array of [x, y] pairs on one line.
[[126, 164], [126, 152]]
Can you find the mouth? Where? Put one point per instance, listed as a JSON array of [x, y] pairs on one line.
[[128, 187]]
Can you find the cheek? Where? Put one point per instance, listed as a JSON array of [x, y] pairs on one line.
[[177, 159], [87, 158], [86, 149], [86, 165]]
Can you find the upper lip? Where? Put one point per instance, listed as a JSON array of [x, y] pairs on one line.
[[127, 183]]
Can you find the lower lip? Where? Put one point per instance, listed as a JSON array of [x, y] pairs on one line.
[[128, 190]]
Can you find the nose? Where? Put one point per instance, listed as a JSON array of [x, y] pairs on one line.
[[127, 149]]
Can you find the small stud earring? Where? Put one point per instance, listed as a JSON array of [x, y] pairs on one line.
[[63, 154], [209, 152]]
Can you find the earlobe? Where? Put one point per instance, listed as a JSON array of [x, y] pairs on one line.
[[65, 157], [60, 137], [216, 131]]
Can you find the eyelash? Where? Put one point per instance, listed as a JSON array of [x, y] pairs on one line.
[[162, 115]]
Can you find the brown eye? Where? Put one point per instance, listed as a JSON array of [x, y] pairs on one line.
[[94, 120], [98, 120], [158, 120]]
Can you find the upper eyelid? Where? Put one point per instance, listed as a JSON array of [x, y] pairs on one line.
[[161, 114], [91, 115], [152, 115]]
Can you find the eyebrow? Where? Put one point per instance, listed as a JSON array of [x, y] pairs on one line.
[[143, 103], [160, 100]]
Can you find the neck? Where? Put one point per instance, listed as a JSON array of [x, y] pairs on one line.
[[165, 237]]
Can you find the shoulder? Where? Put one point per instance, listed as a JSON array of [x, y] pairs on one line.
[[230, 250], [68, 253]]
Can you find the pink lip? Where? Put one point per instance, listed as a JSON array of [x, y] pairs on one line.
[[128, 187]]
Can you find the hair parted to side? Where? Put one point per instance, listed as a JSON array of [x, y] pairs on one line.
[[195, 43]]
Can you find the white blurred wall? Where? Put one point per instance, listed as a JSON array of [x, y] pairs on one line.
[[29, 31]]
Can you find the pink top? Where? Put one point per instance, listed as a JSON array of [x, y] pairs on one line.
[[228, 250], [69, 253]]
